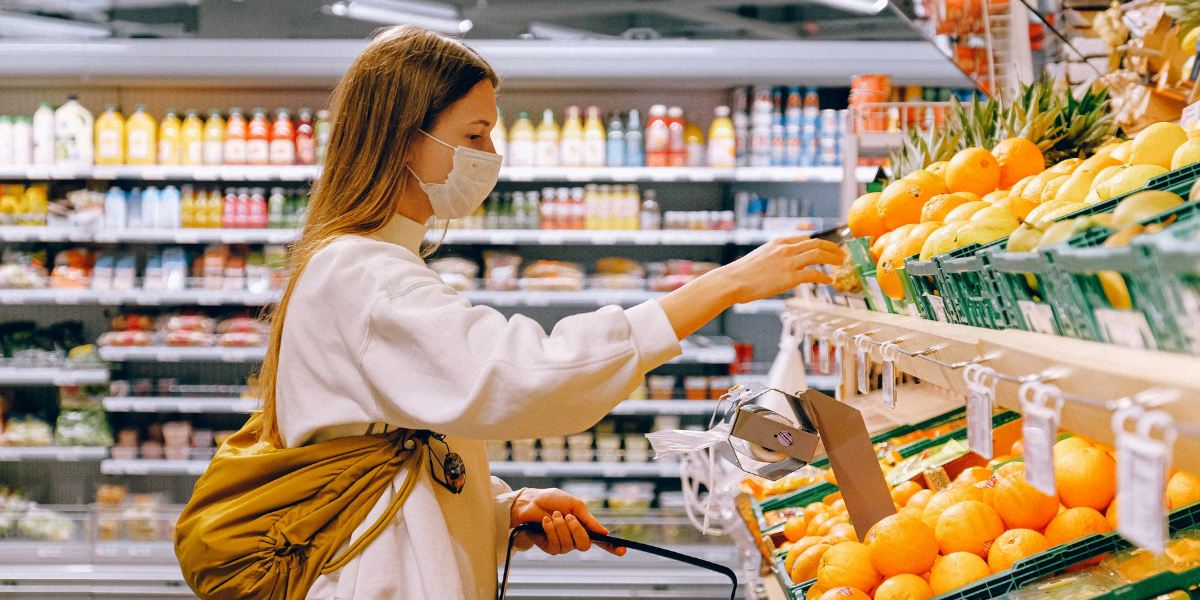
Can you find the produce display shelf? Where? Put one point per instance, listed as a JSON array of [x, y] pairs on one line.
[[52, 453], [180, 404], [182, 354], [665, 407], [303, 173], [614, 470], [52, 376], [153, 467]]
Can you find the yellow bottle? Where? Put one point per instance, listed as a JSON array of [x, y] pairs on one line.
[[110, 137], [168, 139], [214, 138], [570, 153], [191, 138], [547, 141], [187, 208], [722, 140], [140, 134], [595, 140]]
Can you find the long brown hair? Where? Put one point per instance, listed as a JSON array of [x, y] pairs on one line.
[[400, 83]]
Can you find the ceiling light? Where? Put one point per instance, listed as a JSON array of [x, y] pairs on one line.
[[549, 31], [430, 15], [862, 7], [23, 25]]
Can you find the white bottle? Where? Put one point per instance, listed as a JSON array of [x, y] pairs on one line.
[[43, 135], [169, 216], [151, 207], [22, 141], [114, 209], [73, 143], [6, 140]]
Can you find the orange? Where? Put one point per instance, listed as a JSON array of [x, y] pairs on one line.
[[973, 170], [1075, 523], [1018, 448], [904, 586], [797, 549], [1183, 489], [815, 508], [1111, 514], [922, 231], [919, 500], [1017, 205], [813, 593], [902, 544], [842, 532], [969, 526], [838, 506], [964, 212], [902, 201], [901, 494], [995, 196], [880, 243], [844, 593], [847, 564], [1066, 167], [916, 513], [1010, 468], [935, 182], [1033, 190], [938, 168], [939, 206], [988, 487], [956, 570], [947, 498], [794, 528], [1070, 444], [827, 526], [973, 475], [815, 523], [891, 260], [1018, 158], [1021, 506], [1014, 545], [1086, 477], [805, 567], [864, 216]]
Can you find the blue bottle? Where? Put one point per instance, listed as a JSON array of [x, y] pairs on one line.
[[134, 209], [151, 203], [115, 211], [635, 151]]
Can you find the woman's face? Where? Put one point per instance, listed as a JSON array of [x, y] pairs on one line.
[[468, 122]]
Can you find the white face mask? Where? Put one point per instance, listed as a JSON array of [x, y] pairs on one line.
[[472, 178]]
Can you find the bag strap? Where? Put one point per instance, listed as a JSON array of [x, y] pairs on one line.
[[615, 542], [414, 465]]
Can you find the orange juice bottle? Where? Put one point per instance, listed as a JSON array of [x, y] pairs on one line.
[[169, 139], [140, 134], [258, 139], [235, 138], [110, 137]]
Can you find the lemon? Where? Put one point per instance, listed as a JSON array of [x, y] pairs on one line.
[[1061, 232], [940, 241], [964, 212], [996, 212], [1156, 144], [1037, 217], [1067, 166], [1122, 151], [1050, 190], [1128, 180], [938, 168], [1186, 154], [1105, 174], [983, 232], [1142, 206], [1079, 184], [1024, 239], [1188, 45], [1106, 150]]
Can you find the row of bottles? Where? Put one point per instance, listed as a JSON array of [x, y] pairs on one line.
[[665, 141], [172, 208], [593, 207]]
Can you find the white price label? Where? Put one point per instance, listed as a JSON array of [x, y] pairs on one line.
[[876, 294], [939, 307], [862, 362], [1038, 316], [1143, 460], [839, 369], [889, 383], [185, 236], [823, 355], [1125, 328], [981, 395], [169, 356], [806, 349], [1040, 429]]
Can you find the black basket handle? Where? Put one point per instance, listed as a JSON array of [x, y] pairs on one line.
[[616, 542]]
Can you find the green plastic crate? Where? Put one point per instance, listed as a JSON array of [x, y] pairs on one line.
[[1176, 256], [860, 253], [1024, 280], [1157, 585], [922, 279], [967, 280]]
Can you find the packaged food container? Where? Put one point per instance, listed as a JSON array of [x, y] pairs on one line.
[[580, 441], [583, 455], [591, 493], [177, 434], [637, 448], [524, 451], [554, 449], [152, 450], [662, 387], [608, 447], [718, 386], [124, 452], [176, 452], [497, 450], [696, 388]]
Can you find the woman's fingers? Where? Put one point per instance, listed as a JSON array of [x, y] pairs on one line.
[[579, 535], [611, 550], [820, 256], [563, 531], [812, 276], [553, 545], [579, 509]]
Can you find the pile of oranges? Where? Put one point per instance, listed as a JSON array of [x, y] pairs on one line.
[[981, 525]]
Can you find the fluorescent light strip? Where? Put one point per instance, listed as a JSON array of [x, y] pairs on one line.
[[23, 25], [375, 13]]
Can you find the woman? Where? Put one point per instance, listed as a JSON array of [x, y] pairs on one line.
[[367, 338]]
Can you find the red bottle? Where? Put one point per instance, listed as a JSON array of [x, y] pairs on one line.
[[658, 137], [241, 217], [677, 152], [229, 212], [235, 138], [258, 139], [258, 209], [283, 139], [306, 144]]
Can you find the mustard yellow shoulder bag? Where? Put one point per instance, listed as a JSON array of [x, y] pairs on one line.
[[265, 522]]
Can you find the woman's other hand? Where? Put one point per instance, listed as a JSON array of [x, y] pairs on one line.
[[564, 518]]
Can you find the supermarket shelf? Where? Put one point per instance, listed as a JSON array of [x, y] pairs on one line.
[[52, 376], [52, 453], [181, 354], [665, 407], [138, 297], [153, 467], [181, 404], [1099, 372], [614, 470], [580, 298]]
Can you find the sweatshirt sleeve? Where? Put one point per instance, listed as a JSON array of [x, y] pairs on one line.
[[504, 497], [436, 362]]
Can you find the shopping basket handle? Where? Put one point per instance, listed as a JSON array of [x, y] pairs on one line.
[[616, 542]]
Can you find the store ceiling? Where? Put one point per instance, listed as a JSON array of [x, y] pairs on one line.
[[490, 19]]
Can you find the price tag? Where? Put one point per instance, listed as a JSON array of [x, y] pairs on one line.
[[839, 369], [876, 294], [1040, 429], [806, 349], [186, 236], [823, 355], [1125, 328], [939, 307], [862, 361], [1039, 316], [169, 356], [51, 553], [981, 396], [703, 174], [889, 382], [1143, 459]]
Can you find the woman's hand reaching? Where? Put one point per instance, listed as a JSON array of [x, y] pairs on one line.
[[773, 268], [564, 518]]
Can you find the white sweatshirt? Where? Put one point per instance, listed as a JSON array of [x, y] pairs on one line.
[[373, 336]]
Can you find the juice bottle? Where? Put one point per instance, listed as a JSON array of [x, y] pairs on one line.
[[110, 137], [235, 138], [522, 141], [677, 147], [191, 139], [258, 138], [614, 153], [229, 209], [500, 137], [322, 130], [275, 206], [74, 134], [570, 152], [216, 209], [658, 137], [43, 134], [187, 207], [169, 137], [242, 209], [694, 140], [214, 138], [283, 139], [722, 141], [594, 139], [635, 152], [547, 141], [140, 134], [257, 206], [306, 144]]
